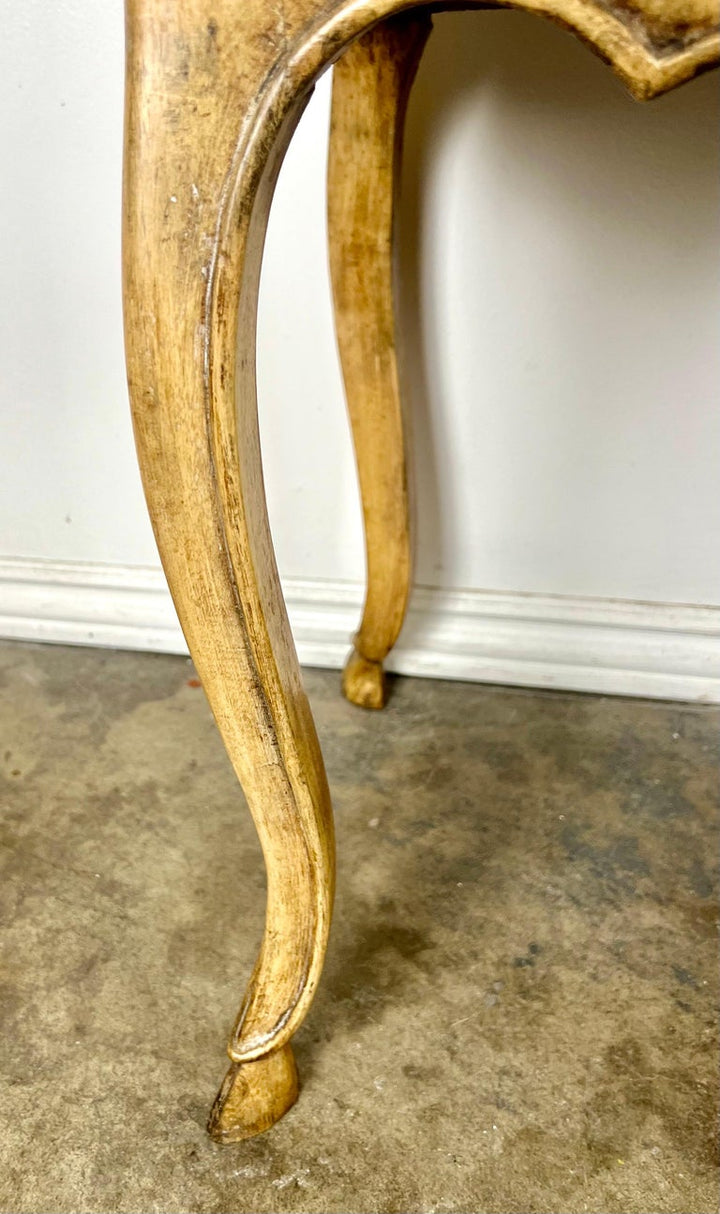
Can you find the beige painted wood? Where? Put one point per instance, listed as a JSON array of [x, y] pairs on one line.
[[371, 85], [194, 226], [213, 92]]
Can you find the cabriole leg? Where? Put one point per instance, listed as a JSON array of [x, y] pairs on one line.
[[371, 86], [197, 190]]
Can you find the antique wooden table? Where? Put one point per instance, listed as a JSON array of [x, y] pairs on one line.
[[214, 91]]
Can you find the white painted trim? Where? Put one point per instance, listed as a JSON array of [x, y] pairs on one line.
[[663, 650]]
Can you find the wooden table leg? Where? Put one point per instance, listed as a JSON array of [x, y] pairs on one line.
[[371, 86], [196, 199]]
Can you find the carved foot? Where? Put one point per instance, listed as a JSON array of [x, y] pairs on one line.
[[364, 682], [254, 1095], [193, 268], [371, 85]]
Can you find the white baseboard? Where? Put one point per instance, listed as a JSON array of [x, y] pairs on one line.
[[666, 651]]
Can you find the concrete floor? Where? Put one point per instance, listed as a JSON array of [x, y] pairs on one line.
[[518, 1008]]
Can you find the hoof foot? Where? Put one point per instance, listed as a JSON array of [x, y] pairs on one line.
[[364, 682], [254, 1095]]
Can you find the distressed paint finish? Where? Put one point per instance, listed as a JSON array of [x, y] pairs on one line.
[[213, 94], [195, 211], [371, 86]]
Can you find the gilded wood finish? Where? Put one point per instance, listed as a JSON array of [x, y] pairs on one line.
[[213, 93]]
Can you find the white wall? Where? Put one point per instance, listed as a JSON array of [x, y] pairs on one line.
[[560, 266]]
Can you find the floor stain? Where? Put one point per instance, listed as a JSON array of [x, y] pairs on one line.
[[518, 1009]]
